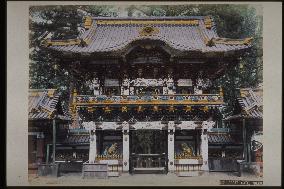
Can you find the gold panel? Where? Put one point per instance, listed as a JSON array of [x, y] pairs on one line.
[[49, 42], [88, 22], [227, 41]]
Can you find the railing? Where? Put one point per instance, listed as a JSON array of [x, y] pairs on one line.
[[85, 100], [221, 130], [148, 162]]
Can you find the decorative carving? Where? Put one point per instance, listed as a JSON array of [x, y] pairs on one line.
[[88, 22], [148, 31], [186, 150], [89, 125], [148, 125]]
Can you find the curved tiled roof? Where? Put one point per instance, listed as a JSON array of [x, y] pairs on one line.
[[42, 104], [216, 138], [184, 34]]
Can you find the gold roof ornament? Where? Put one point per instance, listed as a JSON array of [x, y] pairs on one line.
[[51, 92], [148, 31], [88, 22], [208, 22], [221, 91]]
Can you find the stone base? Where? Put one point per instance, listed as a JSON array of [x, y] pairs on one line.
[[250, 168], [189, 173], [113, 174], [48, 170], [94, 170]]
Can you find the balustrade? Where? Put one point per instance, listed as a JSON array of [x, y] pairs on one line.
[[161, 99]]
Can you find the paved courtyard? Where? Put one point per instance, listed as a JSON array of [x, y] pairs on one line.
[[75, 179]]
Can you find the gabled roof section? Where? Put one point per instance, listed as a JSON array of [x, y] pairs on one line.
[[43, 104], [195, 33], [251, 104]]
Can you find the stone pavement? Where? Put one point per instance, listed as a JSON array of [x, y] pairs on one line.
[[75, 179]]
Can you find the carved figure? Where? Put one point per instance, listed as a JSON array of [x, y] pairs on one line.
[[112, 150], [186, 150]]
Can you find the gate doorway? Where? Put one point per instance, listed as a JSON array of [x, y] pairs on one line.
[[148, 151]]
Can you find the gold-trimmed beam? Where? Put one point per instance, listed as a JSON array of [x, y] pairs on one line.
[[194, 22], [66, 42], [227, 41]]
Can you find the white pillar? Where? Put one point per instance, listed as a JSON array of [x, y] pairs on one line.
[[93, 146], [171, 150], [204, 150], [125, 150]]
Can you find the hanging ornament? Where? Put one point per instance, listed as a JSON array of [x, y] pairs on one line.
[[140, 109], [205, 108], [124, 108], [91, 109], [187, 108], [107, 109], [155, 108], [171, 109]]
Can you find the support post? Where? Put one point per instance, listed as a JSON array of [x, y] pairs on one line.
[[54, 140], [125, 150], [47, 154], [40, 147], [93, 146], [204, 150], [171, 150], [244, 140]]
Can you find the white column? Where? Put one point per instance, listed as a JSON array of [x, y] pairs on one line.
[[125, 150], [171, 150], [93, 146], [125, 147], [204, 150]]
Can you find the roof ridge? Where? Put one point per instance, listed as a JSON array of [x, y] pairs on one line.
[[152, 18]]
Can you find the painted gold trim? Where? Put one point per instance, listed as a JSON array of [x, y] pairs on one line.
[[194, 22], [88, 22]]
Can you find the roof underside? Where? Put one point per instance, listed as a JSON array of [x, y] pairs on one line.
[[182, 34]]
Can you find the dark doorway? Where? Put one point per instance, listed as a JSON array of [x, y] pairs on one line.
[[148, 151]]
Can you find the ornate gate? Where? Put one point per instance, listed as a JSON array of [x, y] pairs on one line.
[[148, 151]]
